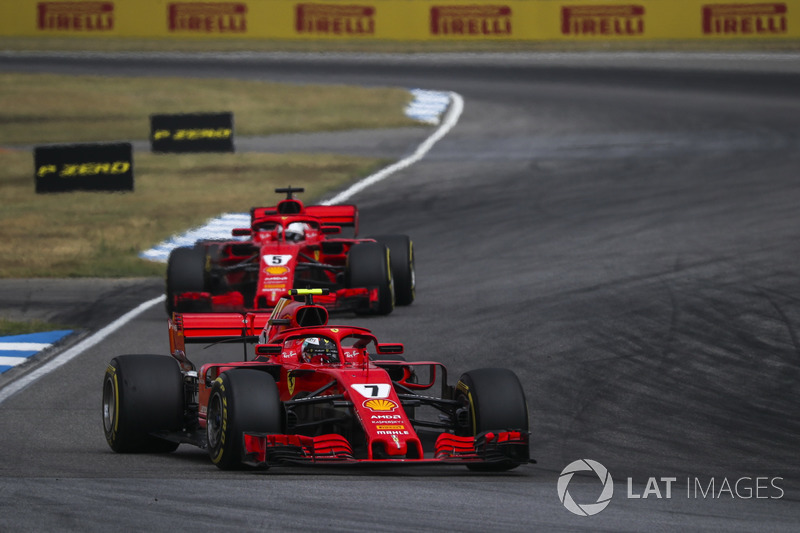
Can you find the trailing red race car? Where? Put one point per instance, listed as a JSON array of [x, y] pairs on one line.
[[312, 394], [291, 245]]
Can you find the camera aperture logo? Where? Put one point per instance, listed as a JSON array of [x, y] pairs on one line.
[[585, 509]]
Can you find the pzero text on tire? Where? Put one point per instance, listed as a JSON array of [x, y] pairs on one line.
[[142, 394], [241, 400]]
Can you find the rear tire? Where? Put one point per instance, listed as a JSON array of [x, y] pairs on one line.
[[186, 268], [368, 266], [241, 400], [142, 394], [496, 402], [401, 253]]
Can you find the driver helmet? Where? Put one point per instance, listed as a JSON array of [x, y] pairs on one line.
[[296, 231], [319, 350]]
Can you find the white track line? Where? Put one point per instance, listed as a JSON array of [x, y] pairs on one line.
[[85, 344], [451, 119]]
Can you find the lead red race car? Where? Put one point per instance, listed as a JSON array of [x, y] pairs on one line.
[[291, 245], [311, 394]]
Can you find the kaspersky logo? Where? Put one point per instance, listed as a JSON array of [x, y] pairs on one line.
[[590, 508]]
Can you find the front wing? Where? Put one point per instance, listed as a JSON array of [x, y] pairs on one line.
[[502, 447]]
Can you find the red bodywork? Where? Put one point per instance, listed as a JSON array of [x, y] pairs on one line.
[[367, 402]]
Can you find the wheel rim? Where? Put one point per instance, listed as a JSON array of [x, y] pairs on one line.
[[109, 405], [214, 422]]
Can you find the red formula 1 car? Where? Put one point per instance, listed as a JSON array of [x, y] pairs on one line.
[[312, 394], [287, 246]]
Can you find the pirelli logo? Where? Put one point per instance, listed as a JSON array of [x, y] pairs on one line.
[[326, 19], [207, 17], [75, 16], [610, 20], [471, 20], [745, 19]]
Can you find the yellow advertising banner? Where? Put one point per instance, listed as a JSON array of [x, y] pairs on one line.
[[404, 20]]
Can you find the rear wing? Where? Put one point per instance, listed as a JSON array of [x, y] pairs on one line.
[[328, 215], [213, 327]]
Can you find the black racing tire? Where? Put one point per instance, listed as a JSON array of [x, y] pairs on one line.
[[241, 400], [186, 272], [495, 401], [142, 394], [401, 253], [368, 265]]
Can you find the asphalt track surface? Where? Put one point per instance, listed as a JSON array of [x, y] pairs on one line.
[[622, 231]]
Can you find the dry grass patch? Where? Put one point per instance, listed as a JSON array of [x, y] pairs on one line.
[[48, 108]]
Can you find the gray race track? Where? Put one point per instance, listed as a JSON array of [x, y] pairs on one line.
[[622, 231]]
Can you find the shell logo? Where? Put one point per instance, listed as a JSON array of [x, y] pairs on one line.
[[380, 405], [276, 271]]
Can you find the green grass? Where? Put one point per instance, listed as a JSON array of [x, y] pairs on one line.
[[42, 108], [11, 327], [101, 234]]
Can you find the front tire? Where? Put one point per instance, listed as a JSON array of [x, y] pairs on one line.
[[142, 394], [368, 266], [494, 401], [241, 400]]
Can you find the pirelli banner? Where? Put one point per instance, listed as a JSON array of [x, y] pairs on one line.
[[409, 20]]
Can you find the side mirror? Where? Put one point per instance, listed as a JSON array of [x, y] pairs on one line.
[[241, 232], [390, 349], [331, 230], [269, 349]]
